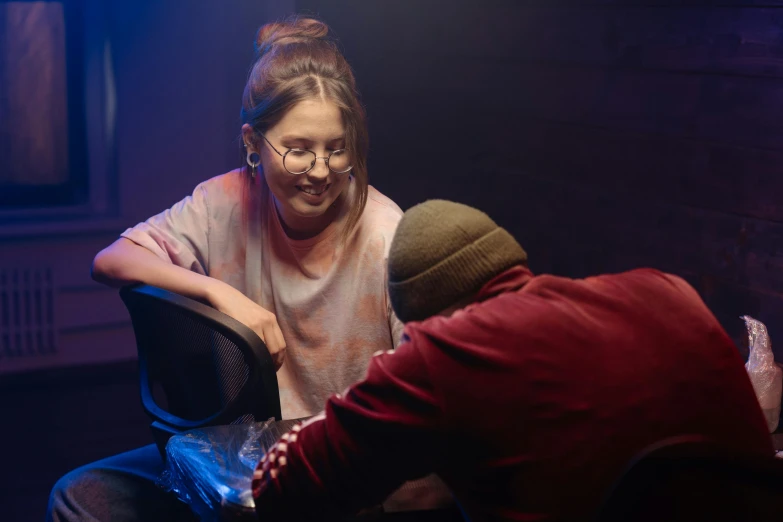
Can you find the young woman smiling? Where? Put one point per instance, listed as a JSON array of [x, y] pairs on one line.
[[293, 245]]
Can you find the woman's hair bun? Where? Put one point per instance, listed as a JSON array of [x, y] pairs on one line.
[[293, 29]]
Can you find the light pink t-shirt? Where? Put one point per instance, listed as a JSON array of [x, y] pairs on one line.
[[330, 299]]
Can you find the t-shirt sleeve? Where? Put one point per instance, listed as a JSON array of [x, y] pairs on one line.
[[179, 234], [382, 432]]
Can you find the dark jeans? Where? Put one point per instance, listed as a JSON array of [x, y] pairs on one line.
[[120, 488]]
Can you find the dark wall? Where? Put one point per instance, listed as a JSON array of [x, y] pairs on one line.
[[605, 135], [180, 72]]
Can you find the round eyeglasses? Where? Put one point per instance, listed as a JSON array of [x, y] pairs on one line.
[[302, 161]]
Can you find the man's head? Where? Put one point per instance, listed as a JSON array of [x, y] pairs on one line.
[[442, 254]]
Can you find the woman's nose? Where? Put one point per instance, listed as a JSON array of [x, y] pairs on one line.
[[320, 169]]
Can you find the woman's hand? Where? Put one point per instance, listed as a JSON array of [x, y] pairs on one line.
[[234, 303]]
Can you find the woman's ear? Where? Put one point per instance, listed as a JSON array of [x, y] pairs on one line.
[[249, 137]]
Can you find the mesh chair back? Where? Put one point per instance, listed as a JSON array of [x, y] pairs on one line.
[[198, 367], [688, 478]]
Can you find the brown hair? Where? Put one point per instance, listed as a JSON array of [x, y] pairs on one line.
[[295, 61]]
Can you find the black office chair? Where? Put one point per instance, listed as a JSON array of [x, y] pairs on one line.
[[197, 366], [689, 479]]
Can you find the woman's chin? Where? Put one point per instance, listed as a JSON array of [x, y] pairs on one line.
[[310, 209], [311, 215], [302, 211]]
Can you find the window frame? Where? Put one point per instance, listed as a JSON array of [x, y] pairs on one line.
[[91, 187]]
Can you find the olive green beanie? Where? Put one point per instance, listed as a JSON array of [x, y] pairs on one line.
[[442, 253]]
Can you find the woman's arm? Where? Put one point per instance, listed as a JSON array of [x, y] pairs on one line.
[[124, 262]]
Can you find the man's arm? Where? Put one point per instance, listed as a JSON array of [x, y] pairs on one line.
[[379, 433]]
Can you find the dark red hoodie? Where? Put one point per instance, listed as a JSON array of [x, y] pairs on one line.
[[528, 403]]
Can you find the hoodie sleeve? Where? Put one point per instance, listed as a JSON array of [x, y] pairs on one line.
[[369, 440]]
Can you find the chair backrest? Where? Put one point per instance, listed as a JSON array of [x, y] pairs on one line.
[[689, 479], [197, 366]]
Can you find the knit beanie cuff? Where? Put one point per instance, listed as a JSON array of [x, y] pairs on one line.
[[456, 277]]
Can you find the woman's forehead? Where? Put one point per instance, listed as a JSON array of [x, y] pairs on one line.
[[313, 118]]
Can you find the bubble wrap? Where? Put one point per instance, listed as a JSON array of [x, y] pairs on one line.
[[211, 468], [765, 375]]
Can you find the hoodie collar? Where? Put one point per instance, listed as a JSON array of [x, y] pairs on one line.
[[509, 281]]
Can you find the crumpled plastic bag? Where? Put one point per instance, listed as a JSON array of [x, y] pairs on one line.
[[211, 468], [765, 375]]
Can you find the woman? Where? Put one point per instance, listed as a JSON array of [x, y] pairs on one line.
[[293, 245]]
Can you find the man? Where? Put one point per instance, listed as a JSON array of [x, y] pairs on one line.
[[527, 395]]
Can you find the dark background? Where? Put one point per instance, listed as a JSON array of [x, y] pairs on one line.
[[604, 135]]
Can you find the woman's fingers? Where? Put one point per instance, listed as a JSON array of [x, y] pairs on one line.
[[275, 343]]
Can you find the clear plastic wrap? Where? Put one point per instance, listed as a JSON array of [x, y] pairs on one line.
[[765, 375], [211, 468]]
